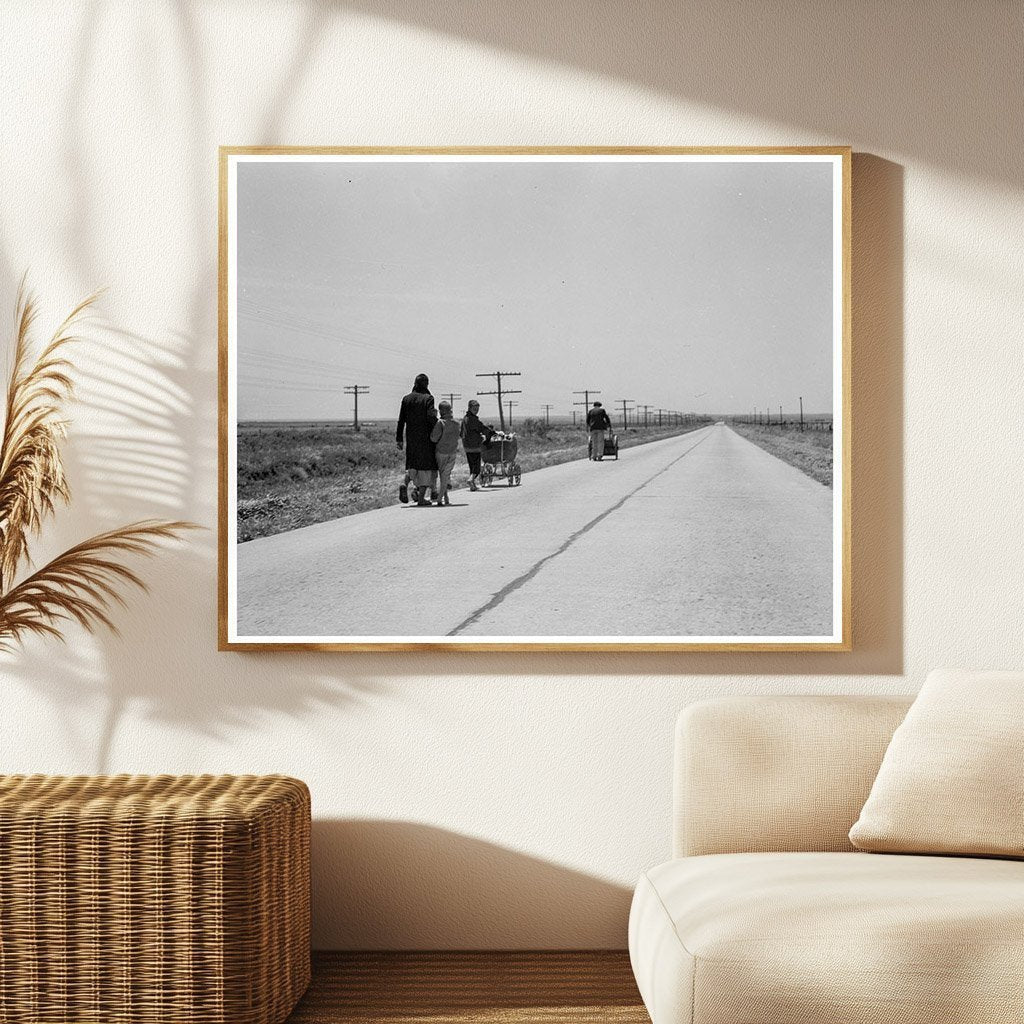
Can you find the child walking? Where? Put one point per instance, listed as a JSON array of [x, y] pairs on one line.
[[474, 436], [445, 436]]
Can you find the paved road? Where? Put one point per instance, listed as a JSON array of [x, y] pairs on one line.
[[700, 535]]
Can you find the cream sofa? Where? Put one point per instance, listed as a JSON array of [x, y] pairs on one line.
[[769, 916]]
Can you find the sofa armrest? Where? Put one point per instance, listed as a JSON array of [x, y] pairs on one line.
[[758, 774]]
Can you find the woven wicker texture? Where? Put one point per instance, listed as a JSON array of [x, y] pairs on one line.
[[138, 899]]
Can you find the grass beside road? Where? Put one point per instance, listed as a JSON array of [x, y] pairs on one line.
[[809, 450], [296, 474]]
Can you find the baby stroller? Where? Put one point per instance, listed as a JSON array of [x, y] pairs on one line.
[[498, 460]]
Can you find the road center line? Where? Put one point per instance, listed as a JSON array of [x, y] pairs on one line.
[[519, 581]]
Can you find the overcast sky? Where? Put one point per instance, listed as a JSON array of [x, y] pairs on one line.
[[702, 287]]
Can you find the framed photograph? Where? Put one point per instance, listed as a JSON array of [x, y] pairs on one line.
[[522, 399]]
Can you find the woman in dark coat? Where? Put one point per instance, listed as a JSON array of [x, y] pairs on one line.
[[416, 420]]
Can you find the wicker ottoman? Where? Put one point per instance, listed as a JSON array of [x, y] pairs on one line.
[[136, 899]]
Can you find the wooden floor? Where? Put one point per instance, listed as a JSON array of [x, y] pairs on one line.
[[465, 988]]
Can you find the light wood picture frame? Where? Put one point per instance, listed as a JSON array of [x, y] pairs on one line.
[[700, 296]]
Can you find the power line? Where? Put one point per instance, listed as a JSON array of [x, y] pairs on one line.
[[296, 322], [356, 390], [314, 375], [586, 393], [277, 385], [626, 404], [320, 369], [500, 391]]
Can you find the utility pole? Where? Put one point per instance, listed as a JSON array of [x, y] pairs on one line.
[[586, 393], [626, 404], [499, 390], [451, 396], [547, 415], [646, 409], [510, 404], [801, 413], [356, 390], [660, 411]]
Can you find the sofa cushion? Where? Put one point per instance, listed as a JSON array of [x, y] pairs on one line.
[[777, 772], [950, 780], [792, 938]]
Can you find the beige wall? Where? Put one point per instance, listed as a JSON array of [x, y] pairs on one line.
[[493, 800]]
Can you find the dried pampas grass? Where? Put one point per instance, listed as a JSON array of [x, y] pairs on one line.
[[82, 584]]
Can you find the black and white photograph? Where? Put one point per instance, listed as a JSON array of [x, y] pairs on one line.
[[538, 399]]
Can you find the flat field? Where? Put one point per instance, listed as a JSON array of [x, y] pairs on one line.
[[810, 450], [297, 474]]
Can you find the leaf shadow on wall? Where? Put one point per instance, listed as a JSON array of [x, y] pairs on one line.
[[146, 446], [405, 885], [144, 453], [832, 72]]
